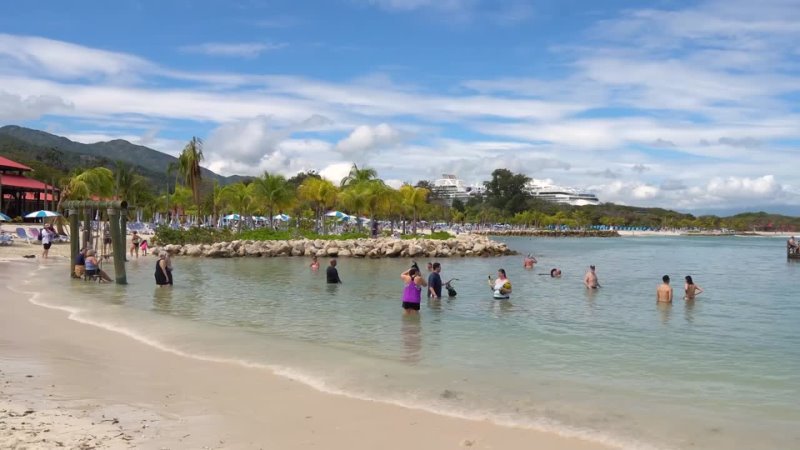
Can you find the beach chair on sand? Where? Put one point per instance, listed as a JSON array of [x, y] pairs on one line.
[[21, 234], [33, 233], [5, 239]]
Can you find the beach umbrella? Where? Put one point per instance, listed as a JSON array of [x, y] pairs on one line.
[[336, 214], [282, 217], [231, 217], [41, 214], [260, 218], [4, 218]]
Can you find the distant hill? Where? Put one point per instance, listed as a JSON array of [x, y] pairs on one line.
[[25, 144]]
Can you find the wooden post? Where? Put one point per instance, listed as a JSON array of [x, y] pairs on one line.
[[119, 258], [74, 236], [87, 227], [123, 229]]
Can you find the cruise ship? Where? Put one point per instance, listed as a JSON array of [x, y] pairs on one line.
[[546, 190], [449, 188]]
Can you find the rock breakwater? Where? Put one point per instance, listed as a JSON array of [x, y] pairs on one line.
[[466, 245]]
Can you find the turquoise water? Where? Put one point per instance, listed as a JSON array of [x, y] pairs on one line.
[[722, 372]]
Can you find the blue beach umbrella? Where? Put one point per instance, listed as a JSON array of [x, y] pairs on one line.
[[282, 217], [41, 214], [4, 218], [231, 217]]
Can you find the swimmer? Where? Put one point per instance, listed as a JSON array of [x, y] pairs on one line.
[[502, 285], [314, 263], [664, 291], [529, 261], [590, 279], [690, 289], [555, 272]]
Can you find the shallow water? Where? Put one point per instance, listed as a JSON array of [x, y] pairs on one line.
[[611, 365]]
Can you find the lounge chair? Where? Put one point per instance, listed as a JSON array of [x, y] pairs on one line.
[[5, 239], [22, 235], [33, 233]]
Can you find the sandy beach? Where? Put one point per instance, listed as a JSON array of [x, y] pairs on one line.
[[74, 385]]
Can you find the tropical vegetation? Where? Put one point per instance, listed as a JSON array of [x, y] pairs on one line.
[[190, 194]]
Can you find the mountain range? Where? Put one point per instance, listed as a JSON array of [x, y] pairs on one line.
[[29, 146]]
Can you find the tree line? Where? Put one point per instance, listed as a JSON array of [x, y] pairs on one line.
[[307, 195]]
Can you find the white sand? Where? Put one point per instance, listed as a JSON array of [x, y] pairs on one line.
[[93, 388]]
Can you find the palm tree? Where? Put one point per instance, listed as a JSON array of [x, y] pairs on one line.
[[129, 185], [239, 198], [357, 176], [189, 166], [414, 198], [379, 196], [217, 199], [274, 192], [321, 194], [98, 181], [355, 199]]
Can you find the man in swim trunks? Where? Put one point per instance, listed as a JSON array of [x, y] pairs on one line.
[[333, 274], [664, 291], [590, 280]]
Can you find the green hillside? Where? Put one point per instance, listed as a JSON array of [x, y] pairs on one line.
[[26, 145]]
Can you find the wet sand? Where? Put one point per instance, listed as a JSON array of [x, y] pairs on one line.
[[64, 383]]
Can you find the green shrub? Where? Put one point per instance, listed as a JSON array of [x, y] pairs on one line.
[[195, 235]]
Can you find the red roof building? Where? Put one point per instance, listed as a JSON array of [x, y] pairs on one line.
[[20, 195]]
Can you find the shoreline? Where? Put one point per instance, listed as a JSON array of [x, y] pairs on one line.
[[93, 386]]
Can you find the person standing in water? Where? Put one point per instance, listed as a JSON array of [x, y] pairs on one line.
[[135, 241], [590, 279], [314, 263], [690, 289], [412, 292], [501, 285], [332, 274], [664, 291], [435, 282], [163, 277]]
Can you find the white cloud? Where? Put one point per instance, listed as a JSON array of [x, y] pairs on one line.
[[253, 145], [51, 58], [15, 108], [459, 11], [765, 187], [238, 50], [367, 138], [336, 172], [667, 99]]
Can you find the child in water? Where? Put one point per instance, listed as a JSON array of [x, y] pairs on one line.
[[143, 246]]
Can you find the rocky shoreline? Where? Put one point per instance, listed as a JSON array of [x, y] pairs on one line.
[[466, 245], [550, 233]]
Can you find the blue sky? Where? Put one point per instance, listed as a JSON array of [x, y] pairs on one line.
[[689, 105]]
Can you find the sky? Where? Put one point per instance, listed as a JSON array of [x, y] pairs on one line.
[[685, 105]]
